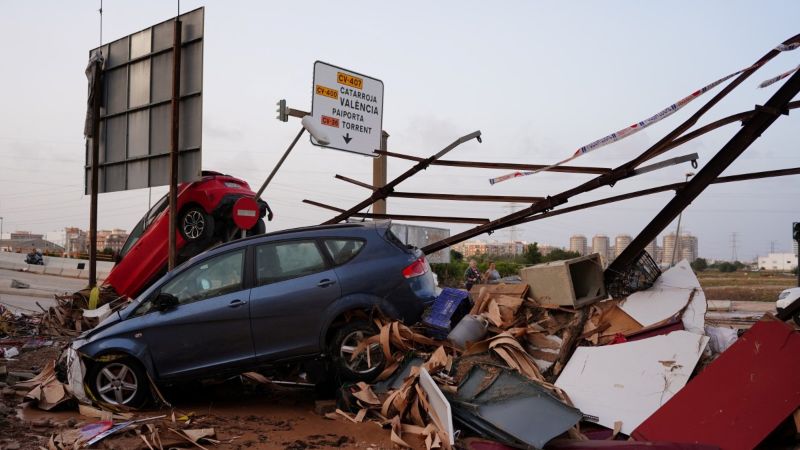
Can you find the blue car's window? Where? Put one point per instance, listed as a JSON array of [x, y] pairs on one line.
[[219, 275], [285, 260], [343, 250]]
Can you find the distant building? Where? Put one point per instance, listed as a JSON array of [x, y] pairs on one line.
[[30, 245], [652, 249], [24, 235], [76, 241], [547, 249], [779, 262], [113, 239], [577, 243], [600, 244], [620, 242], [685, 248], [472, 248]]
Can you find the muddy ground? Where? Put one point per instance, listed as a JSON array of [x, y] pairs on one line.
[[244, 415]]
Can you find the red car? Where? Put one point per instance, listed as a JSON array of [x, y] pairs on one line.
[[204, 219]]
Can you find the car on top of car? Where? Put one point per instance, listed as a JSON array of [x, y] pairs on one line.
[[204, 219]]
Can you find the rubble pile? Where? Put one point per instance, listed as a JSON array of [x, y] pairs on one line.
[[546, 373], [83, 310], [17, 324]]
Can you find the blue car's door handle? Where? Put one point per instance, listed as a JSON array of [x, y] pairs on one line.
[[237, 303], [325, 283]]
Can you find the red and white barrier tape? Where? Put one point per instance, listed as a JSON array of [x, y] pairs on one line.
[[766, 83], [639, 126]]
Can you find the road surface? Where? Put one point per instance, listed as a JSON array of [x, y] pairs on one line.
[[42, 289]]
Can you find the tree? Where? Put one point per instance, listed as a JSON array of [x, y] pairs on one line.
[[532, 254], [726, 267], [699, 264], [559, 254], [455, 255]]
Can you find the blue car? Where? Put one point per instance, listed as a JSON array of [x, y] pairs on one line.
[[297, 295]]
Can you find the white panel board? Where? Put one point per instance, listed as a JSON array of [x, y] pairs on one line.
[[668, 295], [629, 382]]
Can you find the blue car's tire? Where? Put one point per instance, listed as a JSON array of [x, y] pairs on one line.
[[343, 346], [120, 381]]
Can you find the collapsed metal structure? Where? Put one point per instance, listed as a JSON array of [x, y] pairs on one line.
[[754, 123]]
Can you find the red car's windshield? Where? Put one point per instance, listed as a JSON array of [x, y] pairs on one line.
[[144, 224]]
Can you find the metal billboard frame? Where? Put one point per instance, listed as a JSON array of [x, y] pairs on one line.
[[135, 118]]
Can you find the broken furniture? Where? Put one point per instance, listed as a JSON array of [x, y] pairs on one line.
[[575, 282]]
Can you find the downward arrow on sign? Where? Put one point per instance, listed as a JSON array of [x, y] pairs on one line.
[[347, 138]]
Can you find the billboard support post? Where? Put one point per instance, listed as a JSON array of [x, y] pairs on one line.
[[379, 174], [173, 151], [94, 187]]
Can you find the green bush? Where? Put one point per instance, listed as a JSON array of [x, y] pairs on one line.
[[452, 274]]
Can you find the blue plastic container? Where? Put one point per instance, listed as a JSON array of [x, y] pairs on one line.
[[439, 318]]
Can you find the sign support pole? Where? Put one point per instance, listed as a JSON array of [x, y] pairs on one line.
[[379, 174], [95, 185], [173, 153]]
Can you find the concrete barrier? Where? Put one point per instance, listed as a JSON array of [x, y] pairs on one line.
[[72, 273], [65, 267], [52, 270]]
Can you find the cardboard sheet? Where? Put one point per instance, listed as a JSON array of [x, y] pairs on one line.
[[669, 294], [628, 382]]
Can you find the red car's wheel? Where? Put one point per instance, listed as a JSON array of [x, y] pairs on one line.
[[195, 224]]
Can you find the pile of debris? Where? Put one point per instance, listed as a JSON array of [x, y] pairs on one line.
[[17, 324], [551, 362], [83, 310], [554, 369]]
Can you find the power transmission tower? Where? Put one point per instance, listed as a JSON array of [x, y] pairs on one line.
[[734, 256], [512, 231]]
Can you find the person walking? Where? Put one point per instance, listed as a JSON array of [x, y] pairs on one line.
[[472, 275]]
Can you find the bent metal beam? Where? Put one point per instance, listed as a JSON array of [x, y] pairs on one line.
[[615, 175]]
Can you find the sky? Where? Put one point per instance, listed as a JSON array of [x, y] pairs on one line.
[[538, 79]]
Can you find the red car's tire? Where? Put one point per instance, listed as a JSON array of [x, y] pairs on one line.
[[259, 228], [194, 224]]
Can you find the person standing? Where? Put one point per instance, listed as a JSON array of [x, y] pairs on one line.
[[472, 275], [491, 275]]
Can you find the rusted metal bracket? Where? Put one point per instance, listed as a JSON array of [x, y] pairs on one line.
[[666, 143], [494, 165], [754, 127], [453, 197], [383, 192], [659, 189], [443, 219]]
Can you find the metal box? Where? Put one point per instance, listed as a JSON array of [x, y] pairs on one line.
[[573, 282]]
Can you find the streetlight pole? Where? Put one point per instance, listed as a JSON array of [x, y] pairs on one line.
[[678, 229]]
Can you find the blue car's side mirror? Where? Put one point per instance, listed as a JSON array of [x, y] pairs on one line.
[[166, 302]]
